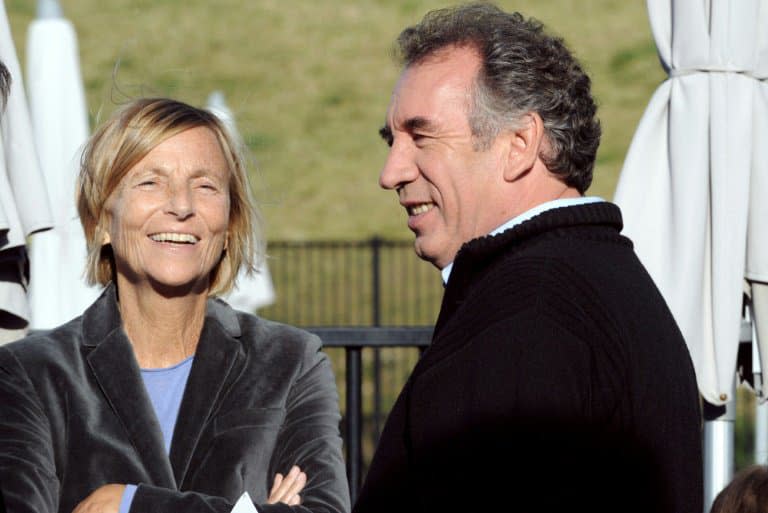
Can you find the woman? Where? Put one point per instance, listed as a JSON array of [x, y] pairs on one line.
[[160, 397]]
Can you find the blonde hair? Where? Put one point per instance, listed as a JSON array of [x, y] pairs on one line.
[[127, 137]]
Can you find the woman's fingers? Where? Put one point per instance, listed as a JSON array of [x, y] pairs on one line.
[[296, 488], [276, 485], [286, 489]]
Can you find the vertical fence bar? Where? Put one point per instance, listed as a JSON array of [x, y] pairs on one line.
[[354, 420], [375, 283], [376, 321]]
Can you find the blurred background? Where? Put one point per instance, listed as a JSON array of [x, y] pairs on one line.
[[308, 82]]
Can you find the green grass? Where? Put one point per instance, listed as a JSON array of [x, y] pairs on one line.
[[309, 82]]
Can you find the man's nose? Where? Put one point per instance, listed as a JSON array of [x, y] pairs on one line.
[[400, 167]]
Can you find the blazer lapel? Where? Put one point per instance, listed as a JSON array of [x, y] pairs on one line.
[[115, 368], [216, 355]]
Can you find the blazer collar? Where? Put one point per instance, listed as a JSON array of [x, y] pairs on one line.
[[102, 318], [113, 363], [219, 354], [116, 370]]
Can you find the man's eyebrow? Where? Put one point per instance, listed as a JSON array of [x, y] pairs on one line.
[[419, 123]]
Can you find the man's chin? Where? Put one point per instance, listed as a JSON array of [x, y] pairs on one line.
[[426, 253]]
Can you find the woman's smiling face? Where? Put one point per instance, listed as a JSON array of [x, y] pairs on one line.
[[167, 219]]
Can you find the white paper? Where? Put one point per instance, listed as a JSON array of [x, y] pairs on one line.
[[244, 505]]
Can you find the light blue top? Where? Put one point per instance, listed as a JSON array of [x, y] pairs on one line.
[[165, 388], [528, 214]]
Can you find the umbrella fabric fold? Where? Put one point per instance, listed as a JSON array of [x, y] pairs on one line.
[[695, 179], [24, 204], [59, 118]]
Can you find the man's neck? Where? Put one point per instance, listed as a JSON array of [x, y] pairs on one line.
[[528, 214]]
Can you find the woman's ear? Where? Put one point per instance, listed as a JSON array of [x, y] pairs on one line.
[[101, 232], [525, 143]]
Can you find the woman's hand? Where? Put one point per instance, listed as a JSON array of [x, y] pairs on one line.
[[105, 499], [286, 489]]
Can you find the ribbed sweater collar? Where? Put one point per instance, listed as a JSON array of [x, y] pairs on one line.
[[602, 213]]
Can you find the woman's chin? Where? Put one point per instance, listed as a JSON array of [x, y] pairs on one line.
[[176, 287]]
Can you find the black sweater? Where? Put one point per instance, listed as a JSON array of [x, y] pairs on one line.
[[557, 380]]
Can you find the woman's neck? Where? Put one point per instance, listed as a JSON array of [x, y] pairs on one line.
[[162, 330]]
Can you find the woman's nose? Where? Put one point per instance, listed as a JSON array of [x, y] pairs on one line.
[[180, 202]]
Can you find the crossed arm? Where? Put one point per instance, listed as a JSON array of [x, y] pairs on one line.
[[106, 498]]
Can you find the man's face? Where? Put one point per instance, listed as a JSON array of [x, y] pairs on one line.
[[449, 189]]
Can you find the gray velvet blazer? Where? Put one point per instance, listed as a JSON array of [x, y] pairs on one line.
[[74, 415]]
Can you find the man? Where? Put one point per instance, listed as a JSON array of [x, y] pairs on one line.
[[557, 379]]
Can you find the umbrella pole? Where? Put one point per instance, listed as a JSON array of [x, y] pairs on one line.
[[761, 433], [761, 406], [718, 447]]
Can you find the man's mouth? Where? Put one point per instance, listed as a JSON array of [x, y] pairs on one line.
[[178, 238], [421, 208]]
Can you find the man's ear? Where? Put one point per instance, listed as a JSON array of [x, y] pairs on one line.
[[525, 143]]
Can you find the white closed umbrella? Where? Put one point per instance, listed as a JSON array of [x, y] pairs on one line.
[[252, 291], [24, 206], [694, 184], [58, 291]]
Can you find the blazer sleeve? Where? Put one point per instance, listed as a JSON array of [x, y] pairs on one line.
[[27, 466], [309, 437]]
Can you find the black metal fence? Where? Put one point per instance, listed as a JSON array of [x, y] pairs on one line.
[[373, 302], [373, 282], [354, 341]]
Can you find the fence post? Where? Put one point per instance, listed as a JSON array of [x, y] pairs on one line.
[[376, 321], [354, 420]]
